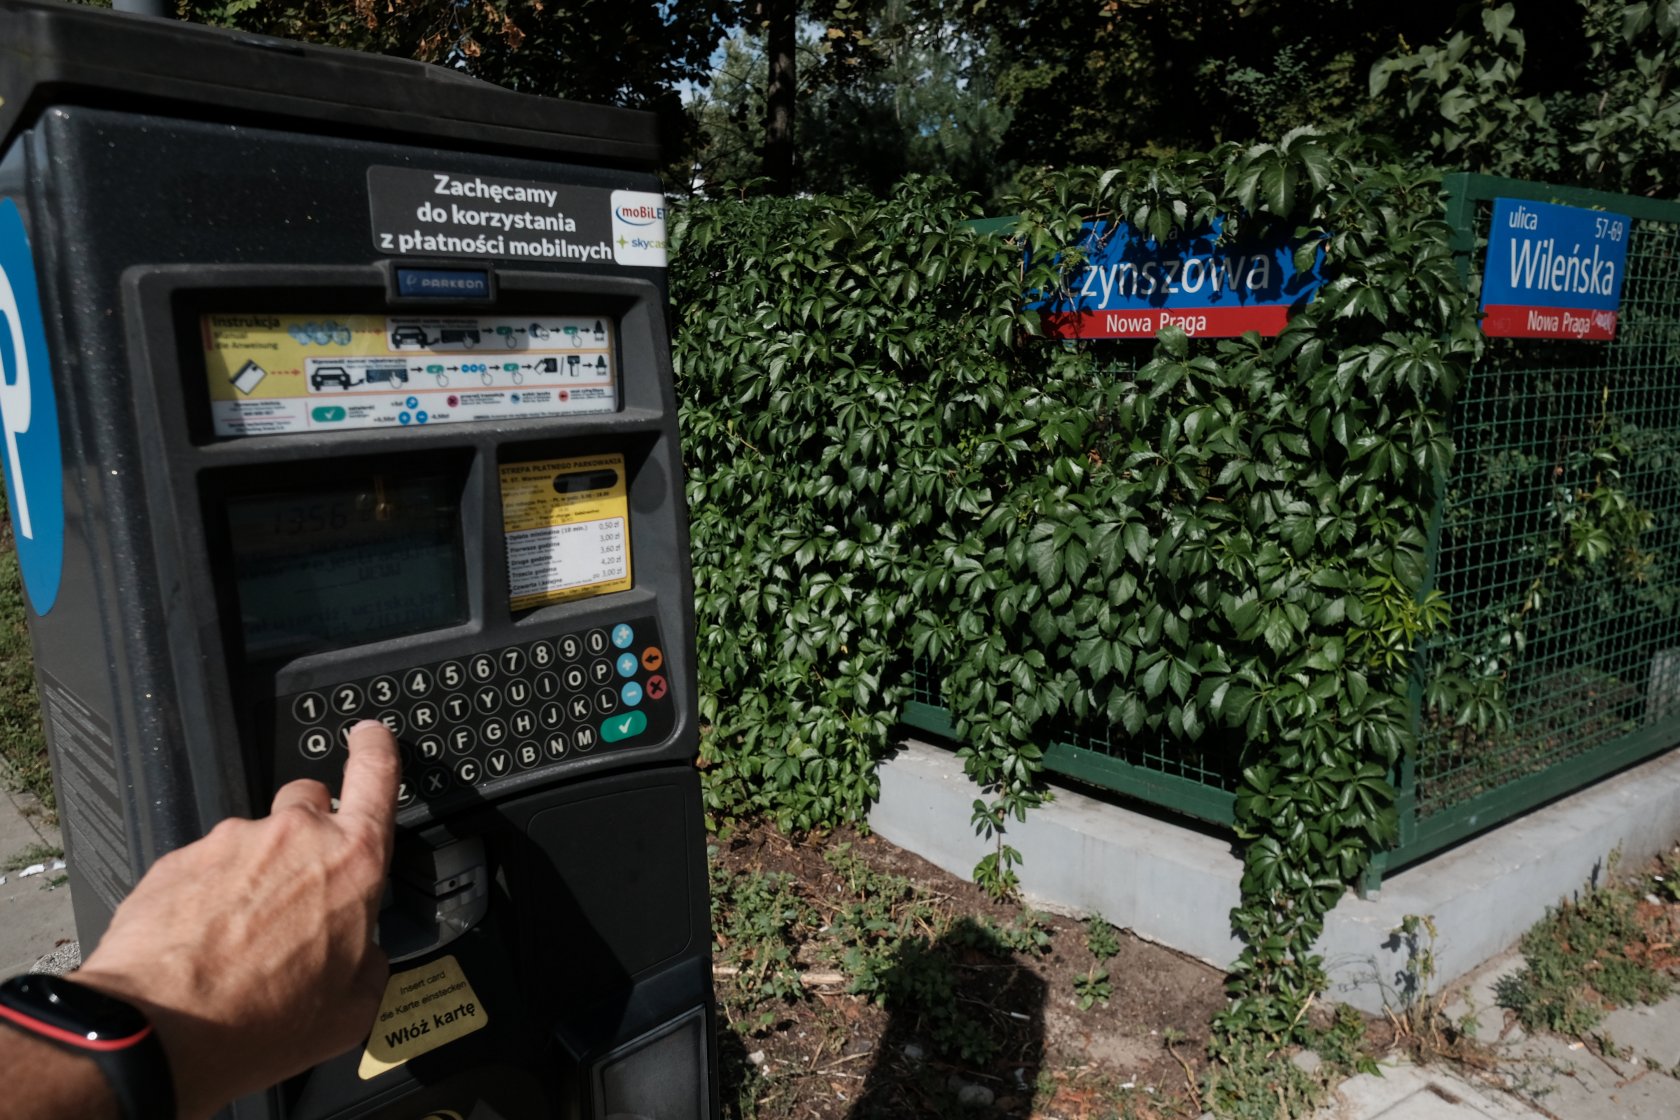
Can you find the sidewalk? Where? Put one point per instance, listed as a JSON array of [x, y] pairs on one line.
[[35, 918], [1532, 1077]]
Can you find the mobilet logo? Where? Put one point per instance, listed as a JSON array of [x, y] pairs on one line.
[[642, 215]]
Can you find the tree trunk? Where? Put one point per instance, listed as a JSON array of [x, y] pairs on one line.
[[779, 24]]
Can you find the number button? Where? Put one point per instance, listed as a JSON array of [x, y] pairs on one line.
[[429, 748], [417, 683], [498, 762], [316, 743], [467, 771], [346, 698], [542, 654], [493, 731], [513, 661], [482, 667], [596, 642], [309, 708], [451, 675], [557, 744], [601, 671], [487, 699], [383, 690]]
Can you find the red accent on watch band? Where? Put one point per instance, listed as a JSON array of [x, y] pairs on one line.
[[70, 1038]]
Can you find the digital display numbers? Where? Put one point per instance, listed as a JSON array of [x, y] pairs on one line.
[[348, 562]]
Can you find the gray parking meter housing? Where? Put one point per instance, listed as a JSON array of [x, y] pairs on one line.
[[338, 387]]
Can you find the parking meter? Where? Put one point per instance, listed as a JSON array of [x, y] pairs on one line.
[[338, 387]]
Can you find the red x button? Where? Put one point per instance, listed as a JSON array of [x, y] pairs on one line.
[[657, 688]]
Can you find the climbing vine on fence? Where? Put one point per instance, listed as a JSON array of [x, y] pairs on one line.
[[1215, 543]]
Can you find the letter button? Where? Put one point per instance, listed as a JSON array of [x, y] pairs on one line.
[[316, 743], [393, 722], [606, 700], [467, 771], [528, 755], [601, 671], [429, 748], [498, 762], [423, 716], [405, 794], [575, 679], [433, 782], [488, 699], [557, 744]]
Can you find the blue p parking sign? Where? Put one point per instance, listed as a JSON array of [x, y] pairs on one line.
[[29, 419]]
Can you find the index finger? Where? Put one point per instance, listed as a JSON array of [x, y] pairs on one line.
[[371, 775]]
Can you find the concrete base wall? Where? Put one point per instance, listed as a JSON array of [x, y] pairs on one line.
[[1178, 886]]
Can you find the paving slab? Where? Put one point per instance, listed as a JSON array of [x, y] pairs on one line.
[[1409, 1092], [35, 916], [1650, 1033]]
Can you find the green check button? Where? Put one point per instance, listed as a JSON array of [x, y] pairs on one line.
[[624, 726], [329, 414]]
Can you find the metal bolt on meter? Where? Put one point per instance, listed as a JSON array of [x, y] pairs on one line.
[[338, 387]]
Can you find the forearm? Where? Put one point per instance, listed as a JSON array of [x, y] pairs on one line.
[[41, 1081]]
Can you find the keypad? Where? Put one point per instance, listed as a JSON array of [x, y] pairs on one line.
[[466, 722]]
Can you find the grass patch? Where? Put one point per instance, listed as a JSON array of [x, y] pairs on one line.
[[23, 748], [35, 853], [1610, 948]]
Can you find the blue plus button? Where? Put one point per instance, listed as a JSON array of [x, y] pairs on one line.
[[403, 417], [627, 665], [622, 635], [631, 694], [412, 402]]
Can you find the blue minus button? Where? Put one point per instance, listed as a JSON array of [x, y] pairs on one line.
[[443, 283]]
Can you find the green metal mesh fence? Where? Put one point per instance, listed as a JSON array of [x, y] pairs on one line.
[[1556, 541]]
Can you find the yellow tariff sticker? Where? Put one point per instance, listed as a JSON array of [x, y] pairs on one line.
[[423, 1008], [567, 523], [282, 374]]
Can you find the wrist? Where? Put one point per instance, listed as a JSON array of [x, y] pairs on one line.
[[104, 1029]]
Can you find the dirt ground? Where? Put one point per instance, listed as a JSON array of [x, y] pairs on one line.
[[1025, 1047]]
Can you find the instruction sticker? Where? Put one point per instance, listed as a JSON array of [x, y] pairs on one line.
[[423, 1009], [567, 524], [280, 374]]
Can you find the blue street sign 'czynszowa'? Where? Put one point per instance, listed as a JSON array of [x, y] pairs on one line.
[[1553, 271], [1132, 286]]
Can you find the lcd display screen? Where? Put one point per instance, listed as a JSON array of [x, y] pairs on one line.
[[347, 562]]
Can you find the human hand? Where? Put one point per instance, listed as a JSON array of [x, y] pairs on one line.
[[252, 950]]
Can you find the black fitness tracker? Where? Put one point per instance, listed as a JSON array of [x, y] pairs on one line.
[[113, 1033]]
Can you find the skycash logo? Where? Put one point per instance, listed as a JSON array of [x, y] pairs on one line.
[[29, 419]]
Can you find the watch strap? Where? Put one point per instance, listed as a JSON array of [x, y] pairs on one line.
[[134, 1065]]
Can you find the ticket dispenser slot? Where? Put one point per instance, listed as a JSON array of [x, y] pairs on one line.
[[385, 431]]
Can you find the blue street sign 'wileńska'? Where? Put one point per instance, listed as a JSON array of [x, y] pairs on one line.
[[1131, 286], [1553, 271]]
